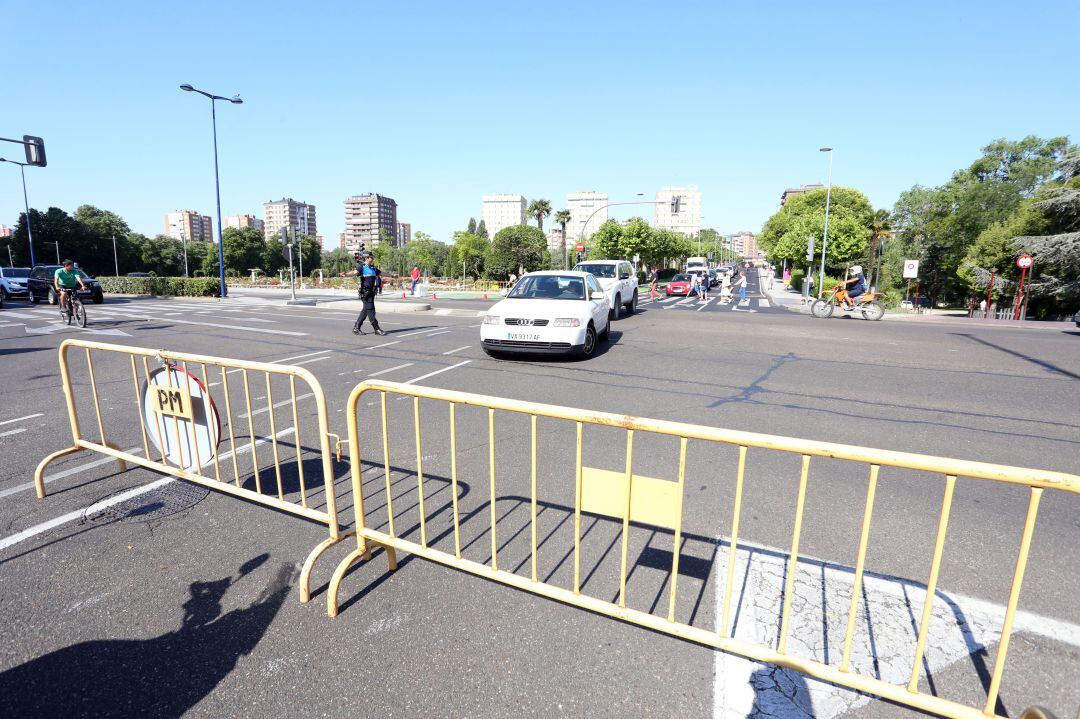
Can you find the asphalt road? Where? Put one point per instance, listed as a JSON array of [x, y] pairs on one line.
[[179, 600]]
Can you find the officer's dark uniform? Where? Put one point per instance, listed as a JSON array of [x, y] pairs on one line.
[[370, 285]]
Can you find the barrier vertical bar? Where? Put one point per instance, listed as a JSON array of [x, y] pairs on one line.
[[577, 518], [296, 436], [626, 517], [491, 463], [453, 477], [158, 421], [1014, 598], [736, 513], [97, 402], [176, 422], [206, 410], [273, 435], [860, 563], [533, 497], [420, 472], [138, 407], [194, 436], [232, 434], [678, 530], [251, 434], [931, 585], [386, 464], [793, 559]]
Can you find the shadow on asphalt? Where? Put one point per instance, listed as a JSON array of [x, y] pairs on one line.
[[161, 677], [1049, 366]]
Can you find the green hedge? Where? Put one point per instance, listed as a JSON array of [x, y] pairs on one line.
[[166, 286]]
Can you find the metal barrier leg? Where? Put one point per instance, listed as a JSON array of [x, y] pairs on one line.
[[362, 551], [39, 473], [309, 564]]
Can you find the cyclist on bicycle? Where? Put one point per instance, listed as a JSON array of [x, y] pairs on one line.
[[65, 280], [857, 288]]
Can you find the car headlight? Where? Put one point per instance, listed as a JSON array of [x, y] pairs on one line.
[[566, 322], [492, 320]]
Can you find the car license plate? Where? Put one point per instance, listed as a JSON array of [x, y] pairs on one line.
[[522, 336]]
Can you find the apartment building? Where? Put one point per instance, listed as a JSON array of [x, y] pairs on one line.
[[793, 191], [189, 225], [585, 207], [239, 222], [299, 217], [5, 231], [688, 220], [368, 219], [555, 238], [745, 243], [502, 211], [404, 233]]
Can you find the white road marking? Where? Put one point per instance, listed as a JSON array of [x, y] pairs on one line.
[[384, 371], [66, 473], [309, 361], [704, 304], [116, 499], [21, 315], [20, 419], [457, 350], [309, 354], [763, 303], [438, 371], [443, 312], [385, 344], [420, 332], [480, 325], [61, 327], [10, 432], [282, 403], [436, 334]]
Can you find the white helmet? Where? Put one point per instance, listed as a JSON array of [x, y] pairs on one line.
[[856, 269]]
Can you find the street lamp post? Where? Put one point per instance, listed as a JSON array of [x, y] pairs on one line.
[[183, 242], [825, 234], [26, 205], [57, 244], [116, 262], [235, 99], [615, 204]]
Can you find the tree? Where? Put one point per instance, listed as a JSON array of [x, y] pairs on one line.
[[786, 234], [539, 209], [163, 256], [472, 226], [468, 254], [614, 241], [245, 249], [427, 254], [518, 249], [338, 260], [880, 228], [481, 230], [563, 218]]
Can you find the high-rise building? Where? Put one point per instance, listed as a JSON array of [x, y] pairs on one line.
[[239, 222], [792, 191], [745, 243], [299, 217], [189, 225], [555, 238], [5, 231], [368, 219], [688, 220], [404, 233], [585, 207], [502, 211]]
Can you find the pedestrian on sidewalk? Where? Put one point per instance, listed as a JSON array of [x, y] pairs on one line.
[[415, 275], [654, 279], [705, 286], [740, 282], [370, 285]]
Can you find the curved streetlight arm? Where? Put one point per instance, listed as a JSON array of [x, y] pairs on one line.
[[616, 204]]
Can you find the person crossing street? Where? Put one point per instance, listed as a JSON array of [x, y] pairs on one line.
[[370, 285]]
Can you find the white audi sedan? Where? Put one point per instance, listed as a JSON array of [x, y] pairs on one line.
[[548, 313]]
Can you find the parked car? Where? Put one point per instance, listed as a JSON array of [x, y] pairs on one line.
[[618, 281], [13, 282], [550, 312], [40, 286], [679, 285]]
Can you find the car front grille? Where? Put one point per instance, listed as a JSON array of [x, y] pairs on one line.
[[530, 345], [525, 322]]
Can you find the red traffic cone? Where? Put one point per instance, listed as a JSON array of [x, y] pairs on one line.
[[434, 296], [403, 295], [485, 295]]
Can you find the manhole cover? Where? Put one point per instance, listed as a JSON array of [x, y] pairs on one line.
[[159, 503]]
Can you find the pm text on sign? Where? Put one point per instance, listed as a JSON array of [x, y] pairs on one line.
[[172, 401]]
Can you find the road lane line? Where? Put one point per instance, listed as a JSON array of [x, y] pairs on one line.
[[457, 350], [420, 332], [10, 432], [66, 473], [438, 371], [309, 354], [384, 371], [436, 334], [282, 403], [705, 304], [763, 303], [309, 361], [266, 330], [116, 499], [385, 344], [20, 419]]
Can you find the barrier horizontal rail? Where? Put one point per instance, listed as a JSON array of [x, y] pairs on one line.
[[634, 499], [184, 438]]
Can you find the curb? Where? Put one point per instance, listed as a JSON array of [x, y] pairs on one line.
[[799, 310]]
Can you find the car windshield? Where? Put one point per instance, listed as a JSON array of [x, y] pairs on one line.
[[681, 278], [16, 272], [549, 287], [597, 270]]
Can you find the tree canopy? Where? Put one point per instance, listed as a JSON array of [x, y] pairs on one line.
[[851, 218], [517, 249]]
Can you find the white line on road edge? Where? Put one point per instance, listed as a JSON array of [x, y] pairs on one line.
[[384, 371], [457, 350], [20, 419], [438, 371], [13, 431], [385, 344], [117, 499]]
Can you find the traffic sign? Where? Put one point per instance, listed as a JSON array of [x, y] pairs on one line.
[[1024, 261], [180, 418], [911, 269], [580, 247]]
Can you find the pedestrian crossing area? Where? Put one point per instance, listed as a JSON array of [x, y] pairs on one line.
[[712, 304]]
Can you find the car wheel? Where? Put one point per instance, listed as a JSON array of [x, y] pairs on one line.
[[630, 308], [588, 348], [3, 295], [614, 312], [33, 298], [99, 297], [53, 297], [606, 334]]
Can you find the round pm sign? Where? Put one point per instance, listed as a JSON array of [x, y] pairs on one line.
[[180, 418], [1024, 261]]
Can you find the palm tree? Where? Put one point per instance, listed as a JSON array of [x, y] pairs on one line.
[[880, 228], [539, 209], [563, 218]]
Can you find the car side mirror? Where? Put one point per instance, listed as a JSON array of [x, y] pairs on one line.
[[596, 295]]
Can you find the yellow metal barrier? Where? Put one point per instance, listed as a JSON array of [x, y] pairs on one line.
[[632, 498], [183, 435]]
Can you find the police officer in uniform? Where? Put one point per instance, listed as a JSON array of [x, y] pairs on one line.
[[370, 285]]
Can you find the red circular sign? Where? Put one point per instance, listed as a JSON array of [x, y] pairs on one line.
[[1024, 261], [580, 247]]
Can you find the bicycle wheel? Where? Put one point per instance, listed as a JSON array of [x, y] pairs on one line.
[[80, 313], [65, 312], [873, 311], [821, 309]]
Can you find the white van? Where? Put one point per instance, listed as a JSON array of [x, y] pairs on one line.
[[695, 262], [618, 281]]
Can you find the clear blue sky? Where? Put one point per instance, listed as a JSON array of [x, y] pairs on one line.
[[436, 104]]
